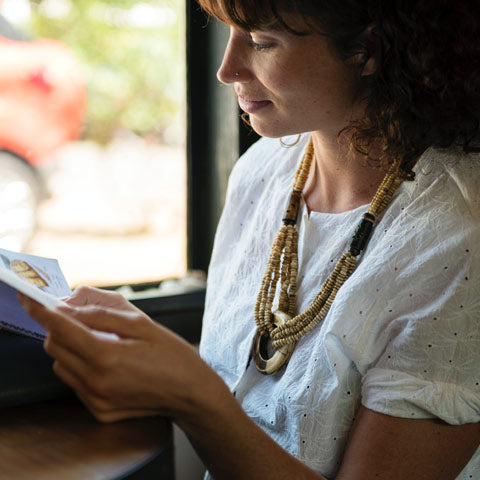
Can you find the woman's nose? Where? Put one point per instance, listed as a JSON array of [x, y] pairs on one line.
[[227, 74], [232, 69]]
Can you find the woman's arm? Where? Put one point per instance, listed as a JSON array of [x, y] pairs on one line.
[[385, 447], [149, 370]]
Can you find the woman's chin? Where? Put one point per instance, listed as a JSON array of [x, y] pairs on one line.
[[272, 130]]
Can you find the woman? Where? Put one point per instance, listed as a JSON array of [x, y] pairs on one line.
[[374, 371]]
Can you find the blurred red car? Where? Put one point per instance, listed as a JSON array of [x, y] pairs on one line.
[[42, 107]]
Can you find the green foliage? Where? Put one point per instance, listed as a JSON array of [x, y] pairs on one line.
[[134, 73]]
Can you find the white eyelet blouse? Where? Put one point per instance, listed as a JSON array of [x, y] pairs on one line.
[[403, 334]]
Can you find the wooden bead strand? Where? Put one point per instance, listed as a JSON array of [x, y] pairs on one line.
[[283, 260]]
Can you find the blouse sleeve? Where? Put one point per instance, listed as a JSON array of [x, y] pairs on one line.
[[430, 367]]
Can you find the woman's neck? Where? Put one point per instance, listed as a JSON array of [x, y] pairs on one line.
[[339, 179]]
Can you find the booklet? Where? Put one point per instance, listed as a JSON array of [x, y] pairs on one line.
[[36, 277]]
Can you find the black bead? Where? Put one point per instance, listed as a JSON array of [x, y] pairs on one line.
[[362, 234]]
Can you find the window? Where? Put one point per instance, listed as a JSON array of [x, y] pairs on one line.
[[101, 144]]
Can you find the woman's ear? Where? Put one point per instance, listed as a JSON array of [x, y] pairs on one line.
[[369, 59], [370, 66]]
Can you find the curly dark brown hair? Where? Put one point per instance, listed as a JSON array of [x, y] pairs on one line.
[[426, 88]]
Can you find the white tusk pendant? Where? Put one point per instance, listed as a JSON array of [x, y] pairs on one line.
[[282, 355]]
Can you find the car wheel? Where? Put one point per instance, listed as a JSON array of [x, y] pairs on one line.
[[20, 190]]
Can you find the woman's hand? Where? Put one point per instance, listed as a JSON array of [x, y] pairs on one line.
[[144, 369], [83, 296]]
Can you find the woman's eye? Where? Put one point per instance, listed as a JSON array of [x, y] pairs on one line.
[[260, 46]]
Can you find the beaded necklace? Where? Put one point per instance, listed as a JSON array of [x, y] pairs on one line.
[[281, 326]]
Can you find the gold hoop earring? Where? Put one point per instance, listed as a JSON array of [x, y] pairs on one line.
[[287, 145], [245, 119]]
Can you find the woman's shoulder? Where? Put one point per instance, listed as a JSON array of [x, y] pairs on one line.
[[463, 171], [449, 177], [459, 166]]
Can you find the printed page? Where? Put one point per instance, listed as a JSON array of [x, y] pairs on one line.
[[37, 277]]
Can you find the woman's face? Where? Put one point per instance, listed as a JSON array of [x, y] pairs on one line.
[[287, 83]]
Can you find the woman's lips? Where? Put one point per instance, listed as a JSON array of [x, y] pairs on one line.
[[252, 106]]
